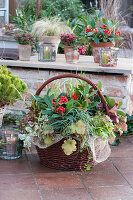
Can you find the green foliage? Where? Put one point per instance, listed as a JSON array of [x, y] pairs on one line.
[[68, 9], [93, 28], [11, 119], [22, 21], [129, 124], [11, 87]]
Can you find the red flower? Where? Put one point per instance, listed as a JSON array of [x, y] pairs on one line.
[[91, 92], [101, 90], [60, 109], [116, 103], [53, 103], [105, 31], [88, 30], [104, 26], [95, 94], [96, 30], [109, 33], [63, 100], [74, 97], [83, 85], [80, 106], [118, 33]]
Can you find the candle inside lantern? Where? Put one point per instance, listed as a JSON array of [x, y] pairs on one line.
[[46, 53], [11, 145], [105, 59]]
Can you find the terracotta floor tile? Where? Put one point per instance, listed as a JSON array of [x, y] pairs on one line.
[[17, 166], [66, 194], [123, 150], [17, 181], [36, 167], [130, 138], [19, 195], [106, 178], [128, 176], [58, 180], [106, 165], [123, 163], [112, 193]]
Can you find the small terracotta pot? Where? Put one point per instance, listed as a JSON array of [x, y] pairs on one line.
[[24, 52], [71, 55], [96, 49]]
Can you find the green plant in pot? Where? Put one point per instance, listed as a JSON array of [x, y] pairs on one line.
[[48, 30], [11, 89], [100, 32], [71, 46], [25, 41]]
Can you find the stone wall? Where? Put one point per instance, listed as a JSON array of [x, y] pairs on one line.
[[118, 86]]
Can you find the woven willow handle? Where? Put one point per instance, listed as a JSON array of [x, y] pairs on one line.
[[78, 77]]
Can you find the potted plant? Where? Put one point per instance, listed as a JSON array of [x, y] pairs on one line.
[[25, 41], [71, 129], [48, 30], [11, 89], [71, 49], [100, 32]]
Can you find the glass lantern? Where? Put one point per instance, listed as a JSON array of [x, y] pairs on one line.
[[47, 53], [10, 146], [108, 57]]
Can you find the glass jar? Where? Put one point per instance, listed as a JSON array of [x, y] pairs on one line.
[[108, 57], [47, 53], [10, 146]]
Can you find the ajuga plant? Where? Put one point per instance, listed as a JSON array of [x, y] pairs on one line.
[[11, 87]]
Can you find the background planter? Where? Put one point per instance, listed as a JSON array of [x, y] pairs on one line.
[[2, 109], [10, 146], [51, 40], [96, 49], [71, 55], [24, 52]]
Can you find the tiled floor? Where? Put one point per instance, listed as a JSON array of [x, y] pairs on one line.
[[26, 179]]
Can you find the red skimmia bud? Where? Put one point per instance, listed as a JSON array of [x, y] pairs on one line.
[[118, 33]]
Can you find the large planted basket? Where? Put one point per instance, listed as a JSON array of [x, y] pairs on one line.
[[53, 156]]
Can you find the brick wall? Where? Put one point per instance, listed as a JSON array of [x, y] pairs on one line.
[[118, 86]]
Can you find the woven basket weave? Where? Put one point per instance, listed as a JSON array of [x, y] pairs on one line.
[[53, 156]]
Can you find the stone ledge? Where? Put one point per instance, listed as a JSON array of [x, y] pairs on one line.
[[86, 63]]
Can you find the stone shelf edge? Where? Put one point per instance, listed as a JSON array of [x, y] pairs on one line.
[[86, 63]]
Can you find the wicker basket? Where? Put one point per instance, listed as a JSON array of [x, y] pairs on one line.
[[53, 156]]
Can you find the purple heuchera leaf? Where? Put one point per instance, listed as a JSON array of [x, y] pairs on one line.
[[113, 116], [99, 106]]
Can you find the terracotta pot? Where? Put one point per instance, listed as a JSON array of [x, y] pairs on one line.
[[71, 55], [51, 40], [96, 49], [24, 52]]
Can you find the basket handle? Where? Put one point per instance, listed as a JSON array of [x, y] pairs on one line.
[[78, 77]]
